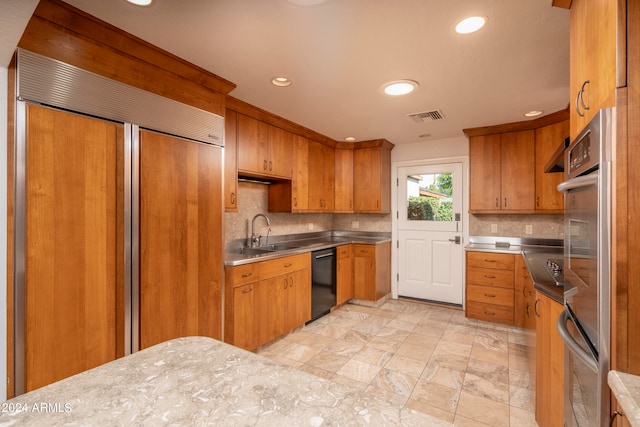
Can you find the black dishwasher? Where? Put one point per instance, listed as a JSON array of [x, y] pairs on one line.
[[323, 282]]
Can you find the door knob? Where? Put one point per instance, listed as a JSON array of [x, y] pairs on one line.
[[456, 240]]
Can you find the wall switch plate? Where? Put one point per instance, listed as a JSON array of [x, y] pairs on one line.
[[355, 224], [494, 228], [528, 229], [310, 226]]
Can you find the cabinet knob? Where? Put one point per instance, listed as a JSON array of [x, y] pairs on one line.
[[233, 198], [535, 308]]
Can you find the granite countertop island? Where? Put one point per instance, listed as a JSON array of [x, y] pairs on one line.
[[200, 381]]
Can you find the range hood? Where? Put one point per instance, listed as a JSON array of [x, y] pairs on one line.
[[556, 163]]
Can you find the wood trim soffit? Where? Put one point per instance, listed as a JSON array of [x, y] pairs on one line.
[[547, 120]]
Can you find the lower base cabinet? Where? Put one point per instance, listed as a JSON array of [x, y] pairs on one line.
[[264, 300], [490, 287], [549, 363], [372, 271], [344, 274]]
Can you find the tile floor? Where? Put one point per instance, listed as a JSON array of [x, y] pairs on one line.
[[429, 358]]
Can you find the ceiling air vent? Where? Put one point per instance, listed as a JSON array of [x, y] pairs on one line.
[[426, 116]]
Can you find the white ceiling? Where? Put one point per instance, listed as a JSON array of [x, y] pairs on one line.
[[339, 53]]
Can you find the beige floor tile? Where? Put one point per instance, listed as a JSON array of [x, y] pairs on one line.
[[300, 352], [492, 340], [489, 371], [453, 347], [448, 360], [443, 376], [367, 328], [394, 398], [317, 341], [461, 421], [419, 406], [358, 385], [482, 410], [344, 348], [356, 337], [395, 382], [406, 365], [385, 313], [442, 397], [330, 330], [518, 362], [401, 325], [522, 398], [396, 335], [319, 372], [383, 343], [328, 361], [410, 318], [490, 356], [373, 356], [482, 387], [521, 379], [286, 361], [359, 371], [458, 337], [521, 418], [424, 341], [414, 351]]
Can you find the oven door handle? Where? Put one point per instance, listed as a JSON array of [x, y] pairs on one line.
[[574, 347], [579, 182]]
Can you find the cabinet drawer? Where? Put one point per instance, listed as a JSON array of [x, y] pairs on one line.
[[343, 251], [241, 275], [490, 260], [490, 295], [364, 250], [489, 277], [276, 267], [490, 312]]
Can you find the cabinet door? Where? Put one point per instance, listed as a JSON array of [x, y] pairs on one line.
[[74, 245], [253, 145], [231, 161], [517, 170], [364, 272], [344, 278], [549, 364], [244, 322], [524, 296], [321, 177], [270, 308], [343, 180], [280, 146], [300, 174], [484, 172], [372, 180], [180, 243], [298, 300], [548, 139]]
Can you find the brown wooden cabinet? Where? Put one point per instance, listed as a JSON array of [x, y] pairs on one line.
[[372, 178], [592, 56], [266, 299], [549, 363], [548, 139], [231, 161], [372, 271], [490, 287], [293, 195], [525, 296], [343, 180], [344, 274], [180, 242], [263, 150], [501, 171], [321, 177]]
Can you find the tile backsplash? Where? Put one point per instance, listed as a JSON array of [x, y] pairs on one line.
[[253, 199], [542, 226]]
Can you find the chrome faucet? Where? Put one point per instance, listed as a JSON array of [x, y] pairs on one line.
[[255, 240]]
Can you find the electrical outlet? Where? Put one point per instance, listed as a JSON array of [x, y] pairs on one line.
[[310, 226], [494, 228], [528, 229], [355, 224]]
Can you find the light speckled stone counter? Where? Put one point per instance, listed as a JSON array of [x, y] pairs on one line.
[[626, 389], [200, 381]]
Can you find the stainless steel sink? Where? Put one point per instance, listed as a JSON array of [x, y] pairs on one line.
[[245, 250]]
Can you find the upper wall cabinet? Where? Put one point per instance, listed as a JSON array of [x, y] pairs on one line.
[[592, 58], [231, 161], [548, 198], [321, 177], [501, 172], [263, 150], [372, 178], [293, 196], [344, 180]]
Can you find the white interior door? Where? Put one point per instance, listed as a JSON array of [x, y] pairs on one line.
[[430, 253]]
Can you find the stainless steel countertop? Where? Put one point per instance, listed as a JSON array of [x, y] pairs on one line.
[[304, 243], [535, 253]]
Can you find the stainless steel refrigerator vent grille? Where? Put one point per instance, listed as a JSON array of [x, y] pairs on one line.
[[427, 116], [51, 82]]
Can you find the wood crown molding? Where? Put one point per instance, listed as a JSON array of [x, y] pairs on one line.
[[565, 4], [549, 119]]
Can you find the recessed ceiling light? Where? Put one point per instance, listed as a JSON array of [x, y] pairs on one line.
[[399, 87], [471, 24], [533, 113], [350, 139], [281, 81], [140, 2]]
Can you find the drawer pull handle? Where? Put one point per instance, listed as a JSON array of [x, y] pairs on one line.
[[247, 275], [489, 260], [489, 313], [288, 265], [489, 295], [489, 277], [246, 291]]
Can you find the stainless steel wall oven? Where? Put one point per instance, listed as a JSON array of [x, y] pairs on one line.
[[584, 324]]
